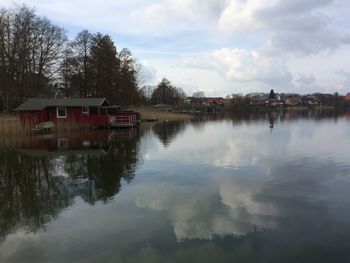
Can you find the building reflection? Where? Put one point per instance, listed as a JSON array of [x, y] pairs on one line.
[[43, 175]]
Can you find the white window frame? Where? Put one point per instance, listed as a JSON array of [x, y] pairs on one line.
[[85, 110], [65, 113]]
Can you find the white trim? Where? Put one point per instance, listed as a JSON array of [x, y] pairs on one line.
[[105, 99], [83, 112], [65, 111]]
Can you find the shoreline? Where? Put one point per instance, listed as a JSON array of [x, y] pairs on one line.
[[10, 124], [161, 115]]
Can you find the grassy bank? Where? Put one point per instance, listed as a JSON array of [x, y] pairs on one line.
[[10, 126], [162, 115]]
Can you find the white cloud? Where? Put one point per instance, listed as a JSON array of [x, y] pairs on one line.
[[147, 73], [266, 14], [344, 85], [177, 15], [344, 74], [305, 82], [245, 67], [305, 42], [294, 26], [108, 16]]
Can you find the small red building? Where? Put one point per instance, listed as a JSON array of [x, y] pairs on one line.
[[80, 111]]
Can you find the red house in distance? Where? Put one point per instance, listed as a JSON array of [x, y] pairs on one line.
[[89, 112]]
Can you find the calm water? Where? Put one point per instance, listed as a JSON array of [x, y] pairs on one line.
[[267, 188]]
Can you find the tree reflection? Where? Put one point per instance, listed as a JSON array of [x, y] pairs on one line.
[[101, 175], [167, 131], [30, 196], [37, 184]]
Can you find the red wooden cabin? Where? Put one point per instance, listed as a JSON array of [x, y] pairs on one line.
[[94, 112]]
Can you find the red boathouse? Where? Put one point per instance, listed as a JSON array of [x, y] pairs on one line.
[[94, 112]]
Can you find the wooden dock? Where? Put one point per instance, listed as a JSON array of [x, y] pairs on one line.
[[127, 120]]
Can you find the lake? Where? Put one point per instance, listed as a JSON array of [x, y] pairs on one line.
[[267, 187]]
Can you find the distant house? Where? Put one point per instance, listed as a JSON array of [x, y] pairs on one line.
[[258, 102], [274, 102], [310, 100], [82, 111], [347, 97], [215, 100], [292, 101], [187, 100]]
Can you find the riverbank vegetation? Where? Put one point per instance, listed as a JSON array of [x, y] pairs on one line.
[[10, 125]]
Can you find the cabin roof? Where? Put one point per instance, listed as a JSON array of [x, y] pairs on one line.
[[40, 104]]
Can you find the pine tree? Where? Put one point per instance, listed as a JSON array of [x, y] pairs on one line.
[[128, 85], [104, 67], [272, 95]]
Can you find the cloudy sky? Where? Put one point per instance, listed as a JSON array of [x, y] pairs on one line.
[[222, 46]]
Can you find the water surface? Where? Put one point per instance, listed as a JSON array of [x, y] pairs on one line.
[[272, 187]]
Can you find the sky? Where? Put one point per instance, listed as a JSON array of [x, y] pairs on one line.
[[221, 47]]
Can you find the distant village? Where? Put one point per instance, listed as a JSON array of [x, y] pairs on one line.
[[272, 99]]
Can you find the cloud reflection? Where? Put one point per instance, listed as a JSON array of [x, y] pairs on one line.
[[298, 191]]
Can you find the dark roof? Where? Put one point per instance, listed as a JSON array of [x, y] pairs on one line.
[[39, 104]]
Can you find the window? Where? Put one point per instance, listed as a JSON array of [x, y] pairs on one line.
[[62, 143], [94, 111], [61, 112], [85, 111]]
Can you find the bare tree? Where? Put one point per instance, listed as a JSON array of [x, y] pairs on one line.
[[167, 93], [198, 94], [30, 48]]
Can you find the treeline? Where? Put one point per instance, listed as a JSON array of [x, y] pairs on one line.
[[38, 60]]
